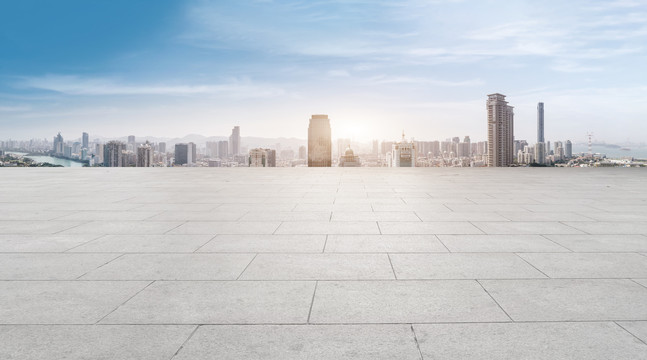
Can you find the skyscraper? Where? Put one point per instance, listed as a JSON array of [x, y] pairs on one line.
[[223, 149], [58, 144], [569, 149], [184, 154], [257, 158], [500, 118], [144, 156], [85, 140], [113, 154], [540, 122], [319, 142], [234, 141], [162, 147]]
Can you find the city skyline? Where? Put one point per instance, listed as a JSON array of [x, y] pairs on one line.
[[198, 66]]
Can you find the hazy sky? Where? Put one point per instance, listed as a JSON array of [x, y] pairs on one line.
[[171, 68]]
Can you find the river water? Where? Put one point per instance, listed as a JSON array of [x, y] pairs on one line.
[[50, 159]]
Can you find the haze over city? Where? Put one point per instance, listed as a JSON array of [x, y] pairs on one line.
[[174, 68]]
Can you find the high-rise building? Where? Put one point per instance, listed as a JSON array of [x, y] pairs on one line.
[[500, 118], [212, 149], [540, 122], [58, 144], [161, 147], [98, 154], [403, 153], [540, 153], [67, 151], [319, 142], [144, 155], [271, 157], [302, 152], [184, 153], [568, 152], [132, 145], [223, 149], [194, 155], [257, 158], [85, 141], [234, 141], [113, 154], [464, 149]]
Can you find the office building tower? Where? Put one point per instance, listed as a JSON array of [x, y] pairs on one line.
[[144, 155], [568, 152], [98, 154], [194, 155], [319, 142], [376, 149], [464, 148], [540, 122], [257, 158], [85, 141], [349, 159], [302, 153], [559, 150], [223, 149], [403, 153], [113, 154], [67, 151], [58, 144], [500, 118], [234, 141], [540, 153], [184, 154], [212, 149], [161, 147], [271, 157]]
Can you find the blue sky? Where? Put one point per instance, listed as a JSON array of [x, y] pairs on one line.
[[171, 68]]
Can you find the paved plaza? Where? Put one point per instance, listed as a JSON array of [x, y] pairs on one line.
[[323, 263]]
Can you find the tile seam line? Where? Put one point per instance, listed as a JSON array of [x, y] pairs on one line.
[[185, 342], [175, 227], [545, 236], [392, 268], [629, 332], [312, 302], [199, 247], [83, 243], [245, 269], [496, 302], [127, 300], [70, 228], [415, 338], [100, 266], [529, 263]]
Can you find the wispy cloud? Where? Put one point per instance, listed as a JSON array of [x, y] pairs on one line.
[[76, 85]]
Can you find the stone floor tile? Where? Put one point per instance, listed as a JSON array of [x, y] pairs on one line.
[[383, 244], [403, 302], [286, 216], [266, 244], [544, 216], [173, 267], [145, 243], [56, 266], [123, 227], [225, 227], [612, 228], [459, 216], [636, 328], [218, 302], [321, 227], [35, 227], [214, 215], [96, 215], [97, 342], [319, 267], [589, 265], [374, 216], [62, 302], [462, 266], [500, 243], [527, 227], [529, 341], [42, 243], [435, 228], [286, 342], [570, 300], [601, 243]]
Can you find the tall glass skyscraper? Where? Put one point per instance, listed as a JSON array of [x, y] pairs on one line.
[[319, 142], [540, 122], [500, 119]]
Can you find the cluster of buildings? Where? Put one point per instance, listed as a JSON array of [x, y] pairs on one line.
[[500, 149]]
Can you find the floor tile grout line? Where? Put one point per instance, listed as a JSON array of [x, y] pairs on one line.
[[545, 236], [630, 333], [323, 251], [633, 280], [277, 228], [127, 300], [573, 227], [312, 302], [415, 338], [441, 241], [533, 266], [100, 266], [185, 342], [493, 299], [476, 226], [169, 230], [597, 321], [392, 268], [84, 243], [70, 228], [379, 228], [203, 245], [250, 262]]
